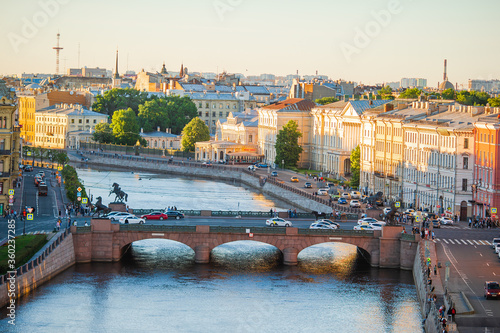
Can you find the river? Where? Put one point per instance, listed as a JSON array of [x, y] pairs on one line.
[[158, 288]]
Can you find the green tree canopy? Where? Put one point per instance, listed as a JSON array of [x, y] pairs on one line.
[[386, 93], [472, 97], [103, 133], [410, 93], [171, 112], [194, 131], [355, 167], [448, 94], [119, 99], [326, 100], [287, 145], [494, 102], [125, 127]]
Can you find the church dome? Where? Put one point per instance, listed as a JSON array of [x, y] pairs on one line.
[[446, 85]]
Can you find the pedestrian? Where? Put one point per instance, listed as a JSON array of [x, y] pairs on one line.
[[59, 213], [453, 313], [435, 270]]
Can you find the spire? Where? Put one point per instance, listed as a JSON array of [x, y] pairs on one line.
[[181, 74], [117, 76], [163, 69]]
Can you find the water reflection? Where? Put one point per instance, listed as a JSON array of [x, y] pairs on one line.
[[246, 255]]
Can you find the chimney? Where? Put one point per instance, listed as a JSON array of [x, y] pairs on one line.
[[444, 74], [388, 107]]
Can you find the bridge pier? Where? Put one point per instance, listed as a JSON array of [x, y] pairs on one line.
[[202, 254], [290, 256]]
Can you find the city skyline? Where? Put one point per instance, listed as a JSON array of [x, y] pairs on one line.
[[368, 42]]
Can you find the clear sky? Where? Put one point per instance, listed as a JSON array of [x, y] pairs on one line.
[[368, 41]]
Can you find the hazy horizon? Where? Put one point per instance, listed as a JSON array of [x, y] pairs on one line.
[[364, 41]]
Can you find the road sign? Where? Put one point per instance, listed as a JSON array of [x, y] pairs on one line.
[[30, 210], [438, 206], [11, 192], [79, 198], [29, 217], [79, 189], [59, 168], [417, 218], [11, 201], [84, 200], [397, 204], [28, 153], [493, 210], [78, 194], [250, 235]]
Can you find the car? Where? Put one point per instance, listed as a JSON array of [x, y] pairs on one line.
[[278, 222], [322, 225], [497, 248], [377, 226], [409, 211], [43, 190], [38, 180], [355, 195], [322, 191], [491, 289], [435, 224], [207, 163], [354, 204], [363, 227], [174, 214], [308, 185], [329, 221], [155, 216], [131, 219], [274, 174], [446, 220], [117, 216], [108, 215], [367, 220], [387, 210], [342, 201], [294, 179], [253, 168], [379, 202], [28, 168], [495, 242], [262, 165], [335, 197], [345, 195], [41, 173], [330, 185]]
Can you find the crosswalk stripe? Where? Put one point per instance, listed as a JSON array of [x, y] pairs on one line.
[[482, 242], [487, 243], [477, 242], [470, 242], [464, 242], [451, 241]]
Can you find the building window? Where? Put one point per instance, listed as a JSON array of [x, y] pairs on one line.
[[206, 114], [213, 114], [249, 138], [466, 143], [87, 121], [220, 114], [95, 121], [199, 114], [466, 162], [227, 114], [79, 121], [206, 105], [72, 121], [464, 184]]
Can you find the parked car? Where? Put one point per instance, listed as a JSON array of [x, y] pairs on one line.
[[491, 289], [345, 195], [323, 225], [322, 191], [342, 201], [367, 220], [155, 216], [274, 174], [294, 179], [131, 219], [354, 204], [278, 222], [262, 165], [28, 168], [174, 214], [355, 195], [446, 220], [363, 227], [307, 185]]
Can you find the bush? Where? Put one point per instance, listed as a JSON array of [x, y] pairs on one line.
[[26, 247]]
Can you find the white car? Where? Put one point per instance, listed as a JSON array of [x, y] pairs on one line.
[[363, 227], [253, 167], [329, 222], [497, 248], [367, 220], [387, 210], [355, 195], [446, 220], [495, 242], [322, 225], [278, 222], [377, 226], [322, 191], [115, 216], [131, 219], [346, 196], [355, 204]]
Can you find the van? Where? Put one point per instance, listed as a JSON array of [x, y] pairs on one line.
[[42, 189]]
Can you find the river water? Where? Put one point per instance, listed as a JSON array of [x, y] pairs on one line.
[[157, 191]]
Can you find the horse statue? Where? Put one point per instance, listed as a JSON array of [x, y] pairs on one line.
[[120, 195], [391, 215], [99, 207]]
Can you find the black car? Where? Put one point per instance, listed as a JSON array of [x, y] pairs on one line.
[[174, 214], [28, 168], [308, 185]]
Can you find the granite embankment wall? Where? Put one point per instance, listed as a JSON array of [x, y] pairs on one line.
[[57, 256], [283, 192]]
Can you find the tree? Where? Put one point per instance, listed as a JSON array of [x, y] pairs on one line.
[[355, 167], [125, 127], [326, 100], [61, 158], [103, 133], [494, 102], [194, 131], [410, 93], [287, 145], [119, 99], [472, 97], [386, 93], [448, 94]]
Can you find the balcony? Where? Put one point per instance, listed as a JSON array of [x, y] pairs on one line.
[[5, 152]]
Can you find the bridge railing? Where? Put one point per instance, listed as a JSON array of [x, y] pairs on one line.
[[82, 229], [151, 227], [336, 232], [408, 237], [255, 230]]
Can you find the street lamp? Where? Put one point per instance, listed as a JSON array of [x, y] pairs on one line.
[[282, 164]]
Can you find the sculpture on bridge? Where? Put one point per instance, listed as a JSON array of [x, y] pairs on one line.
[[100, 208], [373, 198], [120, 195], [391, 215]]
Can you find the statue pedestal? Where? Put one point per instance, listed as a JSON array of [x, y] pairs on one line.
[[117, 206]]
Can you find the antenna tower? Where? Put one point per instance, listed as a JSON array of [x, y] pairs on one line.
[[58, 49]]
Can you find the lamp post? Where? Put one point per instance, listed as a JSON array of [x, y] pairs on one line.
[[282, 164]]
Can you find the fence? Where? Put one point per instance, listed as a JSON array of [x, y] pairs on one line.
[[135, 150]]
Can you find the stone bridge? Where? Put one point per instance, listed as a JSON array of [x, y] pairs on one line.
[[106, 241]]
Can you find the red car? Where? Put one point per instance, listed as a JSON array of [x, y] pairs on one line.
[[155, 216], [491, 289]]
